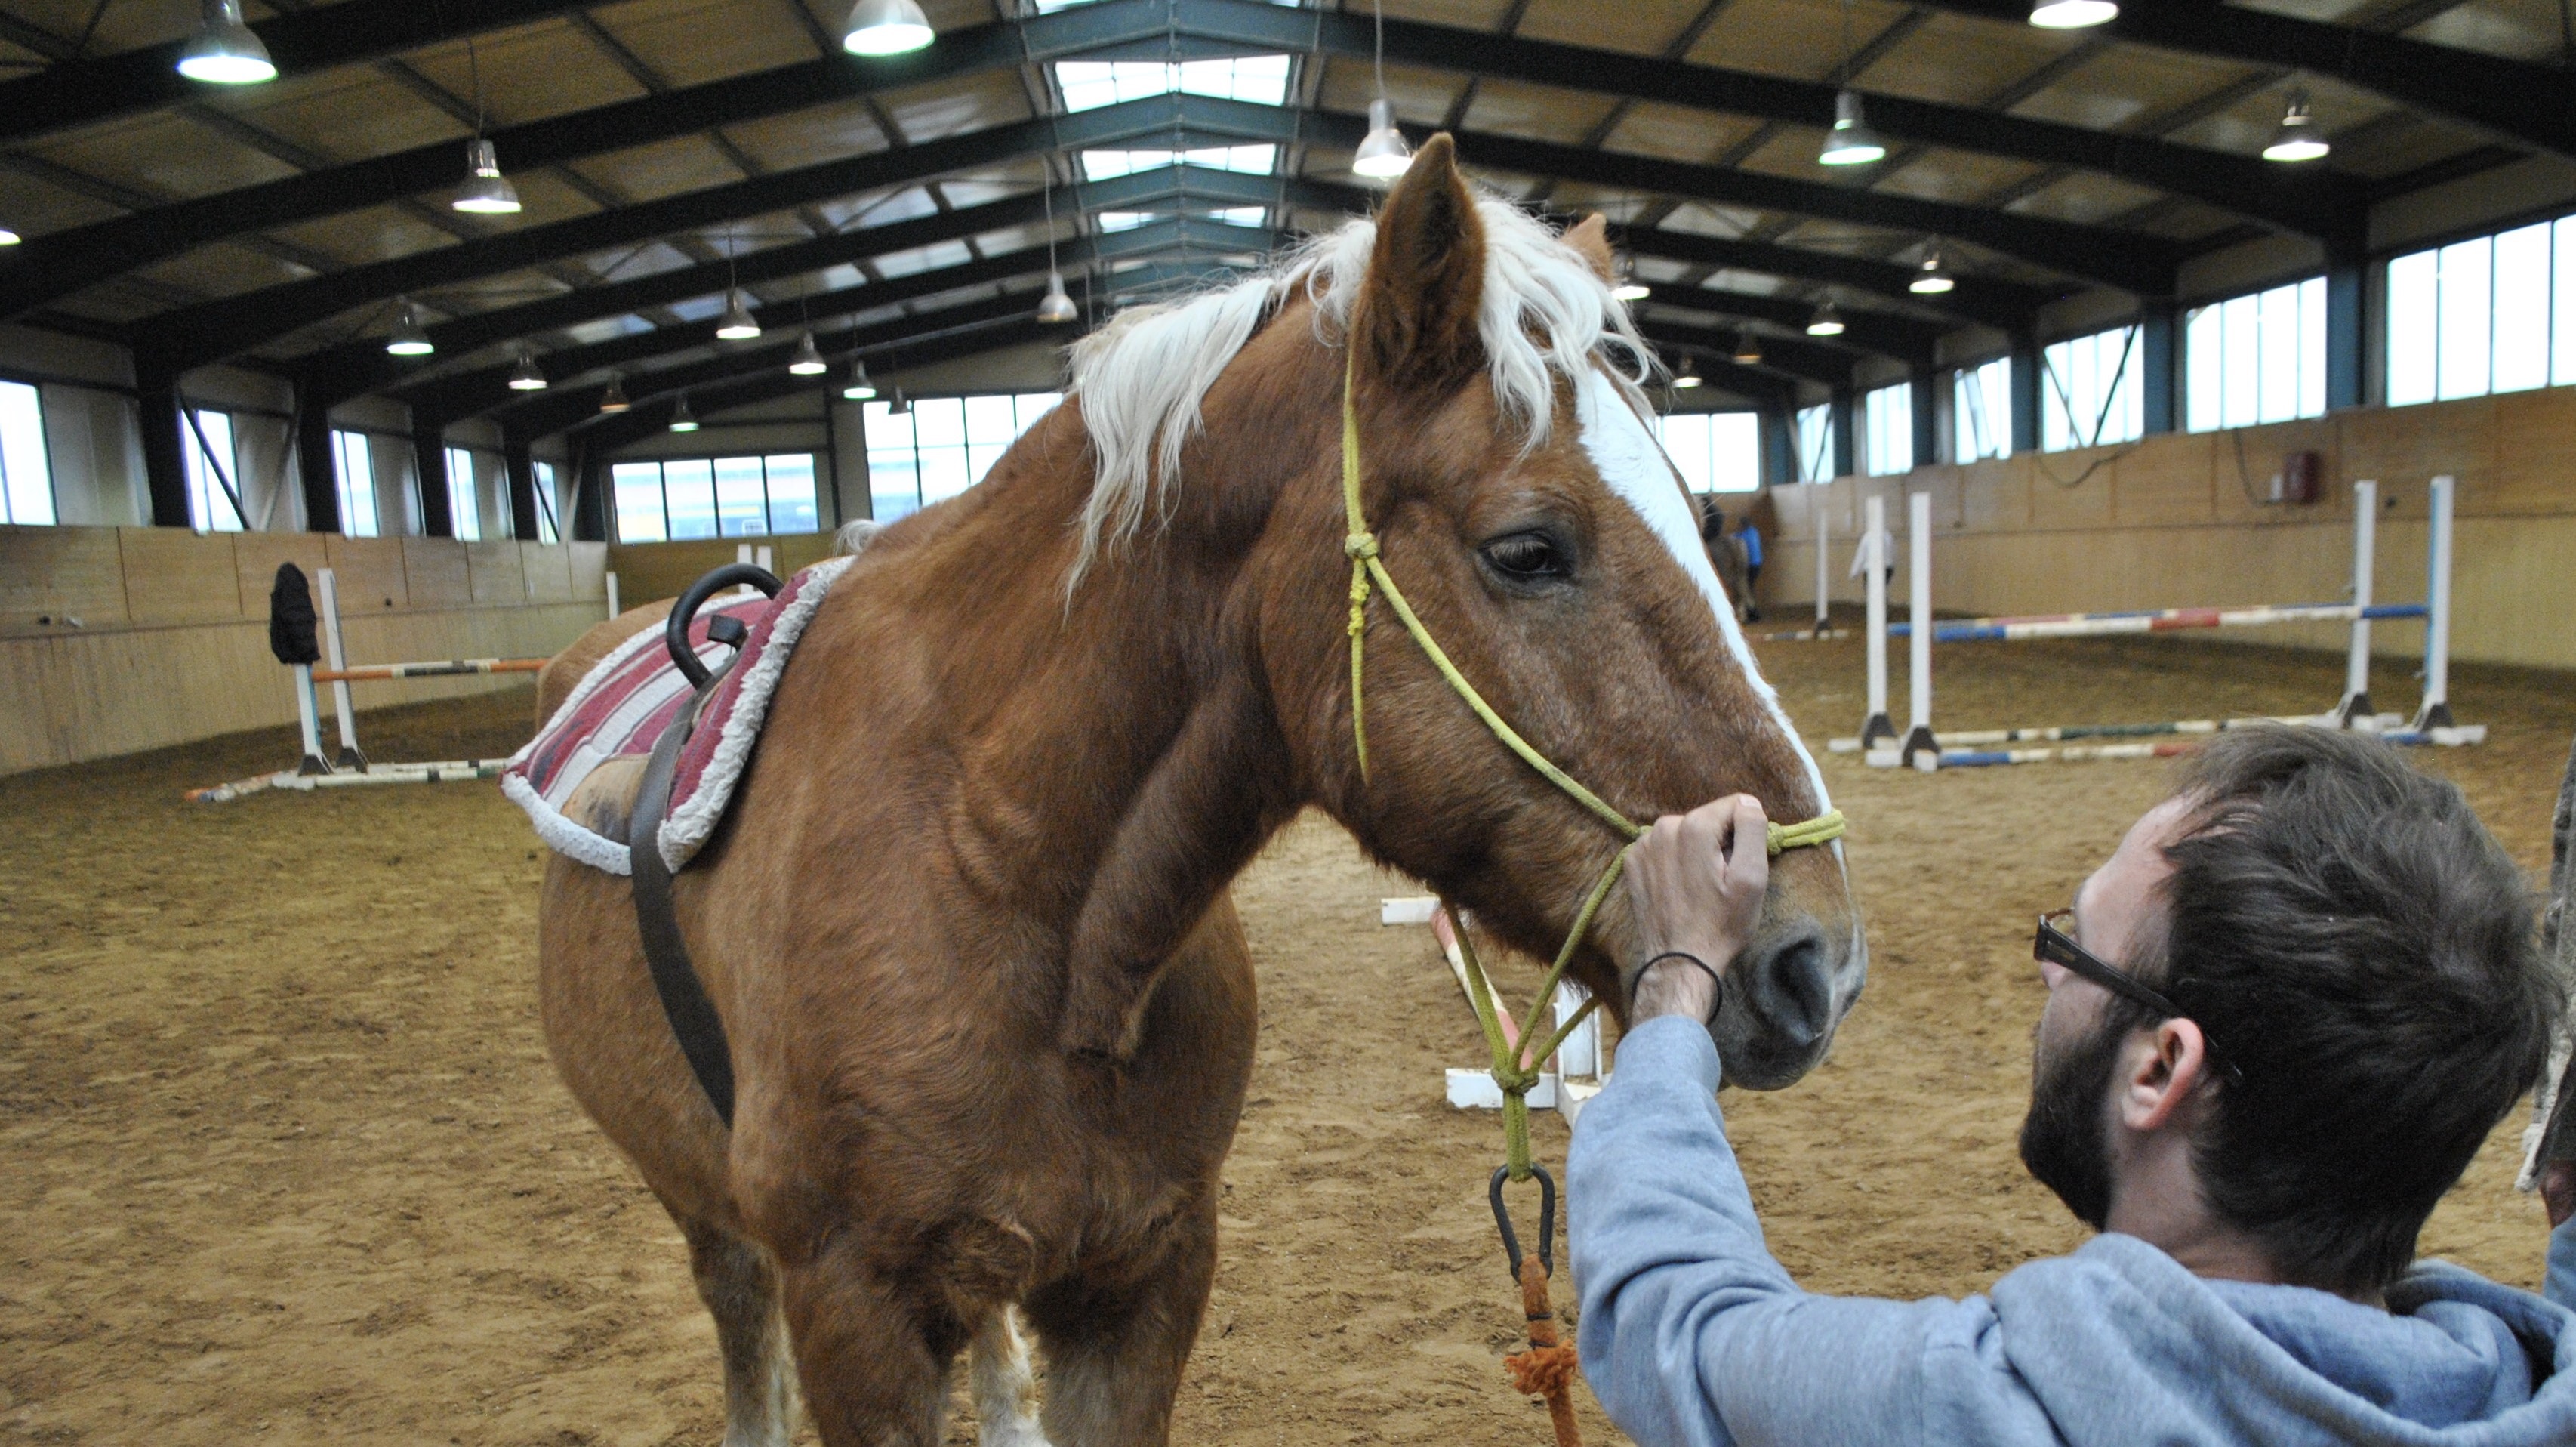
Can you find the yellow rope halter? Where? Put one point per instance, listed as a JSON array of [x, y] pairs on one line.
[[1513, 1070]]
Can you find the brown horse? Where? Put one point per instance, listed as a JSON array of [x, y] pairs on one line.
[[990, 1009]]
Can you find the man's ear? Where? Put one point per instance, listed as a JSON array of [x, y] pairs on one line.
[[1416, 321], [2157, 1086], [1590, 237]]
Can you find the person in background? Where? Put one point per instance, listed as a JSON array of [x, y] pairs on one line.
[[2282, 1018], [1749, 538], [1726, 555]]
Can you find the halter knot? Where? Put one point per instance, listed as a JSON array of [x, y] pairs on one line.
[[1360, 547]]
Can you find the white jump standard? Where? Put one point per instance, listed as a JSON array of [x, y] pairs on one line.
[[1922, 750]]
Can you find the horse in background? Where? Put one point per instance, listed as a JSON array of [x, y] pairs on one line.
[[990, 1009]]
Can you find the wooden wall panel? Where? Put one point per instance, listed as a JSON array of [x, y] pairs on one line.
[[2404, 447], [60, 573], [588, 564], [370, 574], [2162, 485], [434, 571], [2535, 454], [548, 572], [257, 556], [494, 572], [176, 576]]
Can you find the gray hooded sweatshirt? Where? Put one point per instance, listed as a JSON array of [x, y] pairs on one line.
[[1692, 1333]]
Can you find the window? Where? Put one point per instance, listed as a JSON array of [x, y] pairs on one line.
[[941, 447], [702, 497], [2256, 358], [1091, 84], [213, 491], [1816, 443], [1981, 410], [2090, 393], [1252, 160], [2490, 314], [26, 478], [1230, 215], [1714, 451], [357, 469], [1887, 430], [547, 531], [464, 499]]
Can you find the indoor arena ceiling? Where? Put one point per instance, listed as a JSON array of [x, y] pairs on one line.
[[665, 151]]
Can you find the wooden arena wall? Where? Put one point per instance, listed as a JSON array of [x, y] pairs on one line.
[[649, 571], [171, 638], [2173, 521]]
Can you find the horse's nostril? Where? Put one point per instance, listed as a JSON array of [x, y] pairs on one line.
[[1791, 987]]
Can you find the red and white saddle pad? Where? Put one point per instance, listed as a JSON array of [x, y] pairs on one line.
[[619, 710]]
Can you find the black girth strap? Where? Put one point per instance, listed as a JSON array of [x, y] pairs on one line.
[[684, 997]]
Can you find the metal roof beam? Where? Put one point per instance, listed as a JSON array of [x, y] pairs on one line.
[[1711, 344], [2517, 99], [59, 263], [1877, 333], [2312, 202]]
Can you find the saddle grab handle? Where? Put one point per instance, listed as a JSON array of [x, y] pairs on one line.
[[675, 634]]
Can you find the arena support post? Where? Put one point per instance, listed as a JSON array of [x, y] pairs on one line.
[[335, 653], [2435, 711], [1919, 750], [1873, 544], [2355, 712]]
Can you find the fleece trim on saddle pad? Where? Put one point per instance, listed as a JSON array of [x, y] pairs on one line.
[[621, 707]]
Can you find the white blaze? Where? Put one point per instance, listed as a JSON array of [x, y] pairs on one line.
[[1633, 464]]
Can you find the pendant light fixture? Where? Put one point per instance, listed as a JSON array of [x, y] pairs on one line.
[[860, 389], [1932, 278], [1627, 287], [1851, 142], [1686, 376], [900, 405], [1057, 308], [2072, 14], [681, 421], [1748, 350], [1827, 321], [886, 27], [737, 324], [614, 399], [525, 377], [486, 191], [2298, 138], [408, 339], [808, 361], [8, 237], [1382, 155], [224, 51]]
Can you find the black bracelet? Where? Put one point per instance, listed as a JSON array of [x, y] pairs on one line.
[[1714, 978]]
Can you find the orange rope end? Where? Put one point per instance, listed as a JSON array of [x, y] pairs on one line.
[[1542, 1371]]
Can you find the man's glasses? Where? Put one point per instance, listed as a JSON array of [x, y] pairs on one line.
[[2055, 946]]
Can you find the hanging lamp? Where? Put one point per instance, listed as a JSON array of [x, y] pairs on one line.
[[900, 405], [1932, 278], [224, 51], [525, 377], [1687, 375], [8, 237], [1748, 351], [1057, 307], [859, 388], [614, 399], [1627, 287], [1851, 142], [737, 324], [1382, 155], [1827, 322], [2072, 14], [486, 191], [408, 339], [2298, 138], [681, 421], [886, 27], [808, 361]]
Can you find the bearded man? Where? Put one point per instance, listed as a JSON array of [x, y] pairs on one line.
[[2282, 1018]]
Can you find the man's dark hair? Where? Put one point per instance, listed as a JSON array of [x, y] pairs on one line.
[[2363, 954]]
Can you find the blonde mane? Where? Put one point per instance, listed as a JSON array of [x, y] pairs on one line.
[[1544, 313]]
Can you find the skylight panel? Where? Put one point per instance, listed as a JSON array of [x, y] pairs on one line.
[[1249, 160], [1091, 84], [1231, 216]]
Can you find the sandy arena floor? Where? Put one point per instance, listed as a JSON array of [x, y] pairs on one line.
[[282, 1160]]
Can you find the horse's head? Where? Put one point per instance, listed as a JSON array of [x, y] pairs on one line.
[[1526, 512]]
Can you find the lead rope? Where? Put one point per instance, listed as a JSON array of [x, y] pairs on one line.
[[1547, 1368]]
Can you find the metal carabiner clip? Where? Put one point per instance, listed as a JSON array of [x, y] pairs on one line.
[[1546, 1219]]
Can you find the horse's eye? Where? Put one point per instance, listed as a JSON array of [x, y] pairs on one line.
[[1528, 557]]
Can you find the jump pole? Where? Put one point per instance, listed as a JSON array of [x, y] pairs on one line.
[[335, 653], [2355, 708], [2433, 715], [1873, 541], [1919, 749]]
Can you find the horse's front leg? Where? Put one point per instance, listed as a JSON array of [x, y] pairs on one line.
[[873, 1356], [1117, 1338]]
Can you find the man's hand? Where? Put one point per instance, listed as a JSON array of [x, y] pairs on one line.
[[1695, 884]]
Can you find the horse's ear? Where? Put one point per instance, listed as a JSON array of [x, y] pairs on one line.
[[1416, 322], [1590, 238]]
